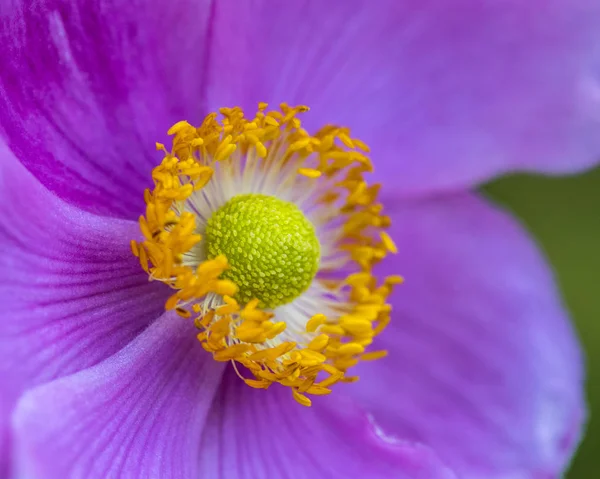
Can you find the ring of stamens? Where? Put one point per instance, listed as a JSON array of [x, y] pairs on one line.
[[331, 166]]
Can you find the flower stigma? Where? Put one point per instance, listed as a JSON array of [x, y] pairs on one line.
[[268, 236], [272, 249]]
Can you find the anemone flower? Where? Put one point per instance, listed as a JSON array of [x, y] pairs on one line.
[[205, 310]]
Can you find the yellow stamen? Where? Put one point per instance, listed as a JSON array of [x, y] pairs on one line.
[[314, 322], [309, 172], [330, 162], [374, 355], [388, 242]]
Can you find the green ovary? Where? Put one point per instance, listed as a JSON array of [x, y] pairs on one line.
[[272, 248]]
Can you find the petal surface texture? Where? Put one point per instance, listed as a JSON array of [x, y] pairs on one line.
[[71, 292], [88, 88], [138, 414], [257, 433], [446, 94], [483, 363]]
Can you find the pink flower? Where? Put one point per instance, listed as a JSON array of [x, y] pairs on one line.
[[484, 375]]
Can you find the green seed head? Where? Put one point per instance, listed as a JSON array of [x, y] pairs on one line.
[[272, 249]]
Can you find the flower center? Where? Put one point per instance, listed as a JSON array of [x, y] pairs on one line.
[[231, 226], [272, 248]]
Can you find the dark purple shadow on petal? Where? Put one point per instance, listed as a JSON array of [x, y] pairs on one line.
[[71, 292], [88, 88]]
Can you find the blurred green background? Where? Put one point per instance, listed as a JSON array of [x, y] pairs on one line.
[[562, 214]]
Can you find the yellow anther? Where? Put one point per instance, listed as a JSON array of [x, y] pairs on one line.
[[204, 321], [257, 384], [225, 152], [311, 358], [172, 302], [145, 228], [346, 140], [301, 398], [318, 390], [346, 363], [371, 356], [227, 309], [298, 145], [350, 379], [394, 279], [272, 353], [251, 335], [254, 315], [309, 172], [351, 348], [261, 150], [319, 343], [361, 146], [251, 305], [184, 313], [332, 330], [134, 248], [229, 300], [220, 327], [356, 326], [231, 352], [383, 322], [269, 120], [225, 287], [276, 329], [179, 126], [388, 242], [332, 379], [314, 322]]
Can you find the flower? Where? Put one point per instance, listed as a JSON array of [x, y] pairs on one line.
[[483, 378]]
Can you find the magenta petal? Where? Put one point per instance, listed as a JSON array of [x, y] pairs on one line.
[[88, 88], [447, 93], [483, 364], [138, 414], [266, 434], [71, 292]]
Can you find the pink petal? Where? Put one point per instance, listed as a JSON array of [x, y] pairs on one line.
[[484, 366], [266, 434], [138, 414], [447, 93], [88, 88], [71, 292]]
